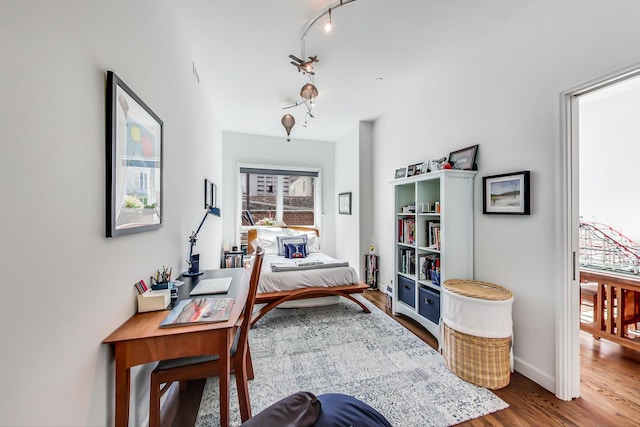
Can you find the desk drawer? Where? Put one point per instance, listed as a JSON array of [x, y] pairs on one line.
[[407, 291], [429, 304]]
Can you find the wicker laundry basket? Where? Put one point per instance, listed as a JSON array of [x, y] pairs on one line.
[[477, 333]]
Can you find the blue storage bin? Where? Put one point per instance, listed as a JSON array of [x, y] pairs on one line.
[[407, 291], [429, 304]]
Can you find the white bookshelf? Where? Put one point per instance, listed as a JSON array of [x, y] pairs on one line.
[[413, 295]]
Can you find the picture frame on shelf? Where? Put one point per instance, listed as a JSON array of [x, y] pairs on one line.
[[413, 170], [464, 159], [507, 194], [401, 172], [344, 203], [424, 167], [436, 165], [134, 173]]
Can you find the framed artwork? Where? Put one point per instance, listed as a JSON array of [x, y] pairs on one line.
[[210, 191], [344, 203], [436, 165], [134, 162], [401, 172], [424, 168], [508, 194], [464, 159], [414, 169]]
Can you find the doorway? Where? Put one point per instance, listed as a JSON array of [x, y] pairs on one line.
[[568, 362]]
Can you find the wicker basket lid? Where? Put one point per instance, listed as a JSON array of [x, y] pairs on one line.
[[476, 289]]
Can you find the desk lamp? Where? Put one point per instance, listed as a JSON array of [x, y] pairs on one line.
[[194, 259]]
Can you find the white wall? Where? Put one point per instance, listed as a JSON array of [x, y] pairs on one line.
[[66, 286], [354, 232], [501, 89], [609, 152], [348, 181], [265, 150]]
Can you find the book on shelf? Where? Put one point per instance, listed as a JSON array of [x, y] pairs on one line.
[[198, 310], [407, 231], [427, 263], [407, 261], [433, 235]]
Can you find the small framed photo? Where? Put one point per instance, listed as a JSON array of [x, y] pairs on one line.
[[436, 165], [344, 203], [413, 170], [401, 172], [464, 159], [424, 168], [507, 194], [210, 191]]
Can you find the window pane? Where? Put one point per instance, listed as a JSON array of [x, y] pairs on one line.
[[260, 195], [298, 200]]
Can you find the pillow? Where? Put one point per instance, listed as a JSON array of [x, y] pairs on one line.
[[297, 410], [295, 250], [313, 242], [283, 240], [268, 243], [342, 410]]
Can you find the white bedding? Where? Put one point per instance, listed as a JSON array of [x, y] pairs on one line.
[[290, 280]]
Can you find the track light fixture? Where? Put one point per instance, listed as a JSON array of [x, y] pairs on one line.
[[309, 92], [327, 26]]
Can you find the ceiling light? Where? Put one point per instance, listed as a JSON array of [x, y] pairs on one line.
[[309, 92], [288, 121], [327, 26]]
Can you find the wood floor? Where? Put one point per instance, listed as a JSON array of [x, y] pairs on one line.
[[610, 389]]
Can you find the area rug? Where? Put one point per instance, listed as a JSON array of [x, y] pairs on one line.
[[340, 349]]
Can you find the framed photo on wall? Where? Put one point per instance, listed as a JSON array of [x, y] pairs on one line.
[[344, 203], [134, 136], [507, 194]]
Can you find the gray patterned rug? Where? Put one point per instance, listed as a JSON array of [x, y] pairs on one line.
[[340, 349]]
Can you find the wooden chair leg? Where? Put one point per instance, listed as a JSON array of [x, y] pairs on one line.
[[243, 388], [249, 365]]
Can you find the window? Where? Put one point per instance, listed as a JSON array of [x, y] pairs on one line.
[[285, 195]]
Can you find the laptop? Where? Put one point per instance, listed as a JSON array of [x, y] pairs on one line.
[[212, 286]]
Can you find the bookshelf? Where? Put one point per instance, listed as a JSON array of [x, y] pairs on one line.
[[433, 241]]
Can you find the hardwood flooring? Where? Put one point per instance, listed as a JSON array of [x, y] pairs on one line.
[[610, 389]]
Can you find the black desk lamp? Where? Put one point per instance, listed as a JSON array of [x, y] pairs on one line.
[[194, 260]]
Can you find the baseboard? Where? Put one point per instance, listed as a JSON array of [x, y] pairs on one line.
[[545, 380]]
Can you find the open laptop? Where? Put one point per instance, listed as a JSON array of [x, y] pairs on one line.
[[212, 286]]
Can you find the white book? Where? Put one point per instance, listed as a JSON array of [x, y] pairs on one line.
[[212, 286]]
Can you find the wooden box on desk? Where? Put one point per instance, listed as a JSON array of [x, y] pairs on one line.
[[154, 300]]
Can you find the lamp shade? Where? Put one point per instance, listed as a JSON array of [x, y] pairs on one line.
[[308, 91], [288, 121]]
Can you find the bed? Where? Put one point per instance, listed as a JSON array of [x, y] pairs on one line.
[[285, 279]]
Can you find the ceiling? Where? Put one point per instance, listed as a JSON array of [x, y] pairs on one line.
[[378, 55]]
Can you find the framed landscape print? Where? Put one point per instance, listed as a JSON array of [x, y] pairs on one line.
[[134, 162], [508, 194]]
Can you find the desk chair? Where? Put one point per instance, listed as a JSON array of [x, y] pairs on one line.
[[192, 368]]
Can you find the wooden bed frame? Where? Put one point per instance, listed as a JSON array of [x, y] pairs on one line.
[[273, 299]]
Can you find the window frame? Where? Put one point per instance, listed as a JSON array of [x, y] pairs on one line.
[[318, 207]]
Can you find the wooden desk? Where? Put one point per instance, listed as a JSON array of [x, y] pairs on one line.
[[139, 340], [617, 307]]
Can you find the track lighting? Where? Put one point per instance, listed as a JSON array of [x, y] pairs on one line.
[[327, 26], [304, 64]]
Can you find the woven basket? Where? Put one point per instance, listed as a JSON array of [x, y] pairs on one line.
[[476, 289], [481, 361]]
